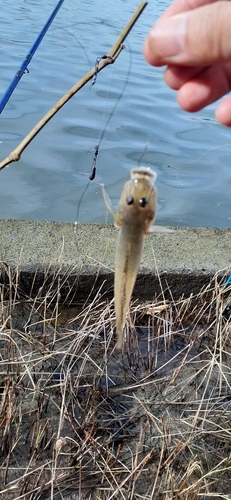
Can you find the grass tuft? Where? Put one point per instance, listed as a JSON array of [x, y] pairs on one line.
[[79, 421]]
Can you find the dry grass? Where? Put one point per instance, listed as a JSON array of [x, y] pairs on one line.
[[79, 421]]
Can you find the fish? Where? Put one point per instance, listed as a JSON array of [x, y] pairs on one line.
[[134, 218]]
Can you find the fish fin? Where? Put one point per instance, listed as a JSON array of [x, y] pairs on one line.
[[107, 201], [159, 229], [118, 221]]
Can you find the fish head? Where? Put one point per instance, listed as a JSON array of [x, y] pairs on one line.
[[137, 205]]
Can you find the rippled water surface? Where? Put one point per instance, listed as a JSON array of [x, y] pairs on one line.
[[190, 153]]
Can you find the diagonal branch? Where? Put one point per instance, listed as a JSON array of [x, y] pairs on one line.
[[109, 59]]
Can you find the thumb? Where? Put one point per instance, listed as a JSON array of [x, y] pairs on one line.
[[197, 37]]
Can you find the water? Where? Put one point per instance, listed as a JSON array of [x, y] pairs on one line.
[[190, 152]]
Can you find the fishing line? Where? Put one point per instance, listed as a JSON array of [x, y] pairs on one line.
[[102, 130], [102, 133], [77, 40], [97, 67], [92, 173], [143, 153], [96, 148], [92, 83], [121, 94]]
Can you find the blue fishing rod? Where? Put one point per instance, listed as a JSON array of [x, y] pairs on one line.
[[28, 58]]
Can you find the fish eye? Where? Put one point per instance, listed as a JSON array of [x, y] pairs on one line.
[[129, 200], [143, 202]]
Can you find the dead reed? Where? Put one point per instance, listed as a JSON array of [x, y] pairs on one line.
[[79, 422]]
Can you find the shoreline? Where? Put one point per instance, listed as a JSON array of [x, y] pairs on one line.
[[41, 251]]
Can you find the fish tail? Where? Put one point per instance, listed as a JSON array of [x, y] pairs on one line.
[[120, 322], [119, 343]]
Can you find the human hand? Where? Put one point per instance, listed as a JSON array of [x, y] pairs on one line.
[[193, 39]]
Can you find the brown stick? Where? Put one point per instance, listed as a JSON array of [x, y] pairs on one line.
[[110, 59]]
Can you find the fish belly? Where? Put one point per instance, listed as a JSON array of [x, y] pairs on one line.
[[127, 261]]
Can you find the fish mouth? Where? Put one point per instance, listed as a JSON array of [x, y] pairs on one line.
[[143, 173]]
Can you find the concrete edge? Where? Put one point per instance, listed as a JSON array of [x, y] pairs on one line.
[[80, 260]]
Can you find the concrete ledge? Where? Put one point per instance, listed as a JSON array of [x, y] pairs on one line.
[[82, 259]]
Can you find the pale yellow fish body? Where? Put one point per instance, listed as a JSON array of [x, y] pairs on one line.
[[136, 213]]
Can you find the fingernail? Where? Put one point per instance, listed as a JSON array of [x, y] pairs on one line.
[[168, 36]]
